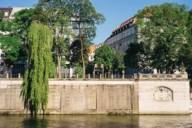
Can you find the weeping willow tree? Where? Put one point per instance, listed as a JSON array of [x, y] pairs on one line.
[[35, 85]]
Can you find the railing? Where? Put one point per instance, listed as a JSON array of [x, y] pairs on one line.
[[10, 76], [103, 76], [182, 76], [162, 76]]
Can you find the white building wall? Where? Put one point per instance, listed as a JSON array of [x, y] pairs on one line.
[[122, 40], [15, 10]]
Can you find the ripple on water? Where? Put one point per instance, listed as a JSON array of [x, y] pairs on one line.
[[94, 121]]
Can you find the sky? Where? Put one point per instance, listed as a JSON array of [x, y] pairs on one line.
[[115, 11]]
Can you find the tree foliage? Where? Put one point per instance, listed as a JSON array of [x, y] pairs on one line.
[[75, 48], [133, 55], [10, 42], [75, 52], [58, 19], [109, 58], [189, 28], [85, 17], [76, 11], [1, 16], [186, 55], [163, 33], [35, 85], [23, 20], [11, 46], [59, 15]]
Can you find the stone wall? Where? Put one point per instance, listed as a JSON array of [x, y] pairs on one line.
[[164, 97], [76, 97], [143, 96]]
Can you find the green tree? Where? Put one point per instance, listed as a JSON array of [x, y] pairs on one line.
[[84, 18], [10, 43], [7, 26], [131, 57], [81, 14], [186, 55], [189, 28], [75, 54], [11, 46], [109, 58], [119, 64], [1, 16], [59, 20], [23, 20], [52, 16], [162, 38], [35, 85]]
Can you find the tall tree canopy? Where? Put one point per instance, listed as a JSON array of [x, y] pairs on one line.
[[84, 18], [163, 34], [52, 16], [67, 18], [59, 20], [81, 15], [35, 85], [186, 55], [74, 11]]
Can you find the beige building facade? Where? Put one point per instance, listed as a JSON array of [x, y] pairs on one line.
[[123, 35]]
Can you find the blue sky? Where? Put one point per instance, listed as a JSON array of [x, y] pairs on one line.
[[115, 11]]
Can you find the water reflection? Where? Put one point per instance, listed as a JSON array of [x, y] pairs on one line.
[[96, 122], [35, 123], [93, 121]]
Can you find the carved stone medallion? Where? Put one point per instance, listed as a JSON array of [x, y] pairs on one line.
[[163, 94]]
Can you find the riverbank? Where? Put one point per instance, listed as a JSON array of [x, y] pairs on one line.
[[148, 94], [96, 121]]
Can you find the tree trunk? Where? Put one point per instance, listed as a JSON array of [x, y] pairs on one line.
[[82, 58], [82, 49], [58, 66]]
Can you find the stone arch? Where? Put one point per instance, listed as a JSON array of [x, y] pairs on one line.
[[163, 93]]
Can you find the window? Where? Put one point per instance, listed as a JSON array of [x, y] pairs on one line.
[[6, 14], [2, 55]]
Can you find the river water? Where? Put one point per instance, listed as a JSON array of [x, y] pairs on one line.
[[93, 121]]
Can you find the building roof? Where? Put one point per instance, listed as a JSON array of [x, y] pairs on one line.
[[123, 26], [129, 21], [10, 11]]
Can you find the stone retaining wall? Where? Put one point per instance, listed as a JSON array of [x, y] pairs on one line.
[[104, 97], [164, 97], [76, 97]]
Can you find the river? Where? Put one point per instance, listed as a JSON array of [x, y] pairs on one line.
[[94, 121]]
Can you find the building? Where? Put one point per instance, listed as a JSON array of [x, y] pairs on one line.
[[91, 51], [9, 12], [123, 35], [18, 67]]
